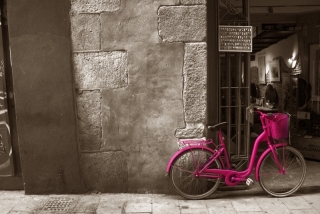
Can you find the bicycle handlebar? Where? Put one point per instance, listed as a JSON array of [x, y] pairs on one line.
[[262, 113]]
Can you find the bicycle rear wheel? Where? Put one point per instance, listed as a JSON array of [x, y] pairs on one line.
[[182, 174], [282, 184]]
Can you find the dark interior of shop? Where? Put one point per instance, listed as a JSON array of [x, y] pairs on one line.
[[283, 69]]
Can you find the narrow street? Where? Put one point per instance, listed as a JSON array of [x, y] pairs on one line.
[[229, 201]]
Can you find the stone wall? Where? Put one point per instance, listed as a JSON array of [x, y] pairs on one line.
[[140, 77]]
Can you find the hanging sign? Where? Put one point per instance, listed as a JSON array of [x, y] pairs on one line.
[[235, 38]]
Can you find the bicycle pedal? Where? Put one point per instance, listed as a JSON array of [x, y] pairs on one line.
[[249, 182]]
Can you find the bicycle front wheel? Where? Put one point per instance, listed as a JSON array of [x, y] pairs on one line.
[[282, 183], [183, 178]]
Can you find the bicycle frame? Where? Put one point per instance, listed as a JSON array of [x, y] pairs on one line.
[[232, 177]]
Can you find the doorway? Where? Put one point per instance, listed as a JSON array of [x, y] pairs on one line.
[[229, 96], [272, 21], [10, 167]]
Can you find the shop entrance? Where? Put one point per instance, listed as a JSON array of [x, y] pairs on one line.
[[284, 37], [231, 92]]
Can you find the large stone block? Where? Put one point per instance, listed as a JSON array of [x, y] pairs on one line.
[[105, 171], [97, 70], [182, 23], [89, 120], [135, 24], [95, 6], [192, 130], [195, 81], [194, 1], [85, 32]]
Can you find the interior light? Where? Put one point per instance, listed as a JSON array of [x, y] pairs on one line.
[[294, 63], [293, 60]]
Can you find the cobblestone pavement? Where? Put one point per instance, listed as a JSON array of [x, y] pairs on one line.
[[17, 202], [226, 201]]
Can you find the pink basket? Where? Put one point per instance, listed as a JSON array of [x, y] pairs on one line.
[[277, 126]]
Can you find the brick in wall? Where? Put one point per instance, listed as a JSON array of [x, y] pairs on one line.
[[89, 120], [85, 32], [105, 171], [186, 2], [182, 23], [195, 81], [100, 70], [95, 6], [194, 91]]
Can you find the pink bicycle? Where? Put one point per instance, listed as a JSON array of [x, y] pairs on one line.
[[197, 170]]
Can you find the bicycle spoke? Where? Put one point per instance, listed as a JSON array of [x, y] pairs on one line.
[[183, 172], [186, 185], [285, 180]]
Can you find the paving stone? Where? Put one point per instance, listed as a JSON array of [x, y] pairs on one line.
[[245, 212], [272, 205], [111, 204], [30, 204], [6, 205], [194, 211], [138, 204], [139, 213], [312, 211], [87, 204], [220, 206], [192, 204], [22, 212], [245, 205], [313, 200], [11, 195], [186, 205], [295, 203], [165, 205]]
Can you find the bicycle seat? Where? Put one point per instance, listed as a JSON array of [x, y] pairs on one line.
[[217, 126]]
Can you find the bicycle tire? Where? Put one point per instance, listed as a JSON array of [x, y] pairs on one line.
[[183, 178], [276, 183]]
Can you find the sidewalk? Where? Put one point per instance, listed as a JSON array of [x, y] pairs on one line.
[[250, 200], [17, 202]]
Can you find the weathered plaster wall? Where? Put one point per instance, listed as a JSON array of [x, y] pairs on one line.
[[140, 76]]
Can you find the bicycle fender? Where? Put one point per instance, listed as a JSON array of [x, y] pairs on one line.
[[264, 154], [188, 148]]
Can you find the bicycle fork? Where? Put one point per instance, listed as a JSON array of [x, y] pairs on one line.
[[275, 154]]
